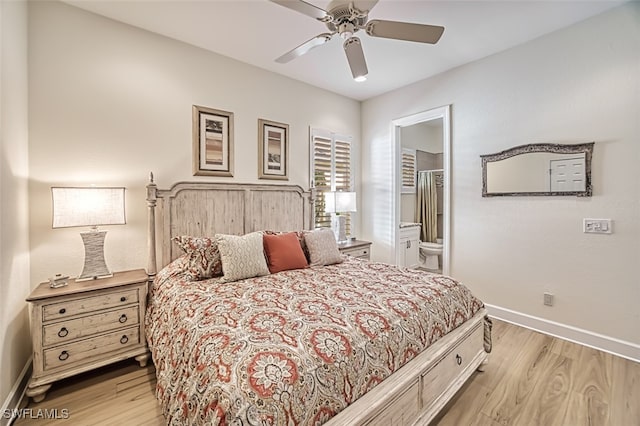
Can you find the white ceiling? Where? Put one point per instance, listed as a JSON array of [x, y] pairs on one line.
[[258, 31]]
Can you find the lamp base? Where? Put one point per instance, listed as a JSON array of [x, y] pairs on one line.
[[340, 227], [95, 267]]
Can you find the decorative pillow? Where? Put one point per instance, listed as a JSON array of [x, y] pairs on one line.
[[299, 235], [284, 252], [242, 257], [203, 257], [323, 249]]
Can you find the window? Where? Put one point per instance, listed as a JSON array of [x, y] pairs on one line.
[[330, 171]]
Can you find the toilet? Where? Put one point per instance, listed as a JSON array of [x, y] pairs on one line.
[[430, 254]]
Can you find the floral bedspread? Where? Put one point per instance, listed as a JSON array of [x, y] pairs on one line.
[[292, 348]]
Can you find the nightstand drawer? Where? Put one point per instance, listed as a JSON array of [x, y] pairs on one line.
[[88, 304], [356, 248], [357, 252], [73, 353], [87, 326]]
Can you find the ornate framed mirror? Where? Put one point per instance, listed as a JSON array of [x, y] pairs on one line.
[[538, 169]]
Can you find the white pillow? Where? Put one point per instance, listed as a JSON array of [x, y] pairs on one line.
[[242, 257], [322, 246]]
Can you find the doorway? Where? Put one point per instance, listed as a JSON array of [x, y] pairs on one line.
[[427, 123], [567, 175]]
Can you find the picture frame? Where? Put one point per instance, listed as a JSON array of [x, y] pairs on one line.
[[273, 150], [212, 142]]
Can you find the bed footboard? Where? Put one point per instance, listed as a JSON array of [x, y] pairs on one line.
[[416, 393]]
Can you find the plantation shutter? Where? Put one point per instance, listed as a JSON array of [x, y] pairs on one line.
[[342, 161], [330, 171], [322, 169], [408, 171]]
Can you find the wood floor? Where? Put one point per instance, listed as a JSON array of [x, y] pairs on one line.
[[531, 379]]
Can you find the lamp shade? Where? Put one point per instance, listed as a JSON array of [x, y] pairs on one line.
[[330, 202], [339, 202], [345, 202], [88, 206]]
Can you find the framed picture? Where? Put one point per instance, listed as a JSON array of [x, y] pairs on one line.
[[212, 142], [273, 150]]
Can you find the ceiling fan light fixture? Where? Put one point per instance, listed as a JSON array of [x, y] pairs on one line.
[[360, 78], [346, 30]]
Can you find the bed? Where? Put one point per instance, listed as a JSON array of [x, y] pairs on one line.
[[352, 342]]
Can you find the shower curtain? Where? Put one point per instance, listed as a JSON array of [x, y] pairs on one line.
[[427, 207]]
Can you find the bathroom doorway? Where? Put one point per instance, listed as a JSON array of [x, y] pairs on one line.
[[426, 135]]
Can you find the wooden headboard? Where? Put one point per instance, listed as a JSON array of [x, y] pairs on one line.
[[207, 208]]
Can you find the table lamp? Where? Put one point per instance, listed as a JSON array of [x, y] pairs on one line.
[[340, 202]]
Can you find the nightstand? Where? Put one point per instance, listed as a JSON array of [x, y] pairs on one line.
[[356, 248], [86, 325]]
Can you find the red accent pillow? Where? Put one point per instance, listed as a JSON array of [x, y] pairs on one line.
[[284, 252]]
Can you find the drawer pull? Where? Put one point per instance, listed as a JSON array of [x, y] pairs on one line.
[[123, 299], [63, 332], [458, 359], [64, 355], [62, 311], [123, 319], [124, 339]]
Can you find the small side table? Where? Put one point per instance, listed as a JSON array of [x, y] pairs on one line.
[[86, 325], [356, 248]]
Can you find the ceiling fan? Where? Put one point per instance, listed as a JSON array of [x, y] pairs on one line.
[[345, 17]]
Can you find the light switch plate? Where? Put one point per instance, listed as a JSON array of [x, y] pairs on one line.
[[596, 226]]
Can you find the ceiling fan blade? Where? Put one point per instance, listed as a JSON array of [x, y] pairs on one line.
[[318, 40], [365, 4], [405, 31], [355, 56], [304, 8]]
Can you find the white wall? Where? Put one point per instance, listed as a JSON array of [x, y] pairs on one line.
[[426, 136], [109, 103], [579, 84], [15, 345]]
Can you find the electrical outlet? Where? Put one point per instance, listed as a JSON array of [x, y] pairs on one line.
[[548, 299], [596, 226]]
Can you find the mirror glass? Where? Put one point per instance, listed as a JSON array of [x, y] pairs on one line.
[[424, 141], [538, 169]]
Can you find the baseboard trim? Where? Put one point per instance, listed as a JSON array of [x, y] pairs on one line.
[[601, 342], [16, 396]]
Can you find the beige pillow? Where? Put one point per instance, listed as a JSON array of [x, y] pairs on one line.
[[242, 257], [322, 246]]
